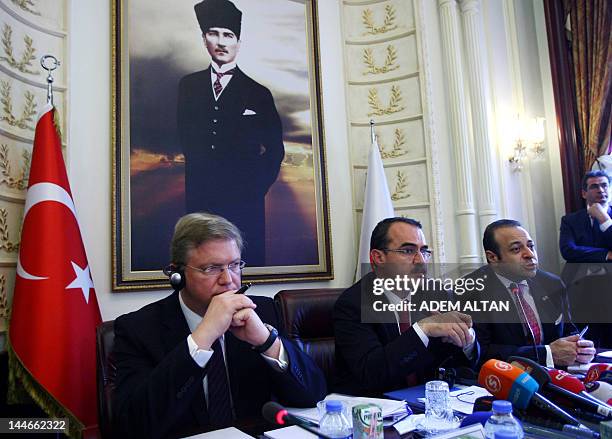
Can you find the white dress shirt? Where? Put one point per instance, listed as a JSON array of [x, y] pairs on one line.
[[225, 79], [202, 356], [393, 299], [529, 299]]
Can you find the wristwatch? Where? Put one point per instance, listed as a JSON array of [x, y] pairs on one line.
[[269, 342]]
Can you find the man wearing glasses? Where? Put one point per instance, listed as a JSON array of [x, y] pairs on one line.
[[382, 351], [203, 358]]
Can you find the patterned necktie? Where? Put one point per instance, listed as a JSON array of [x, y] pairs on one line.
[[217, 87], [219, 407], [404, 320], [530, 315]]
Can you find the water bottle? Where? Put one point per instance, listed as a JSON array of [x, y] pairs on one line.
[[502, 423], [333, 423]]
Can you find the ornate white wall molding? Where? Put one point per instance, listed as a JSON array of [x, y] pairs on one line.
[[385, 82], [465, 209], [477, 61]]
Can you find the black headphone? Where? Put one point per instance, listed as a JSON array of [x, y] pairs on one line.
[[176, 276]]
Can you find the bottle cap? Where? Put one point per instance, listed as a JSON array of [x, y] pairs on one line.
[[333, 406], [502, 406]]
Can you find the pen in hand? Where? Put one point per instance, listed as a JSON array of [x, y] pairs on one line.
[[244, 288], [584, 330]]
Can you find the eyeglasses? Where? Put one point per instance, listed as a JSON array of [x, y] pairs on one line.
[[216, 270], [411, 252], [596, 186]]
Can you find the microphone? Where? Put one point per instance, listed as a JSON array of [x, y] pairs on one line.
[[606, 376], [596, 370], [505, 381], [576, 388], [600, 390], [276, 414], [562, 384]]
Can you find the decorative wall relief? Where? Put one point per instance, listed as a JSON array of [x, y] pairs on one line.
[[26, 119], [400, 192], [396, 149], [394, 105], [388, 22], [27, 5], [5, 242], [21, 181], [386, 84], [388, 66], [24, 64]]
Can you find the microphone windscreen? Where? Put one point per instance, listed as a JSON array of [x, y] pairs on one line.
[[475, 418], [497, 377], [600, 390], [595, 371], [508, 382], [270, 412], [565, 380]]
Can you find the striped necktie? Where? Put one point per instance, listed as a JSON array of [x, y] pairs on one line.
[[217, 87], [219, 407], [530, 314]]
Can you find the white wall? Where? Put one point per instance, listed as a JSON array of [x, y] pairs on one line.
[[89, 150]]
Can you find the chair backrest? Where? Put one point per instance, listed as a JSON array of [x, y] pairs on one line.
[[105, 340], [307, 316]]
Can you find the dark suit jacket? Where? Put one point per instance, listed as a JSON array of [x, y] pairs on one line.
[[371, 355], [502, 334], [159, 389], [580, 242], [231, 158]]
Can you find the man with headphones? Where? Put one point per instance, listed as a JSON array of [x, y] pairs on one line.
[[203, 358]]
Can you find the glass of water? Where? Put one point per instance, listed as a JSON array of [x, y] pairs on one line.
[[438, 412]]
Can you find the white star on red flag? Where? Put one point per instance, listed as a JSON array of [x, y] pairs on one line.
[[82, 281]]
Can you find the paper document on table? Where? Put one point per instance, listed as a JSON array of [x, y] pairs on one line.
[[390, 407], [409, 424], [462, 400], [292, 432], [226, 433]]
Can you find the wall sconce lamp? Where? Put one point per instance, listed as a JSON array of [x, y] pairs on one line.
[[528, 140]]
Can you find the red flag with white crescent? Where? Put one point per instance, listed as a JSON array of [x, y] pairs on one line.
[[55, 312]]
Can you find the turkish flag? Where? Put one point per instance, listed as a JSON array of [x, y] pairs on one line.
[[52, 332]]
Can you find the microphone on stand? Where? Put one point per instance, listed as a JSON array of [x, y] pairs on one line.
[[508, 382], [276, 414], [559, 383], [600, 390]]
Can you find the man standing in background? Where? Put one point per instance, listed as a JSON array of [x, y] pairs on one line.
[[230, 132]]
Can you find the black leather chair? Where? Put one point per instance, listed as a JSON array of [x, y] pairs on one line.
[[106, 372], [307, 316]]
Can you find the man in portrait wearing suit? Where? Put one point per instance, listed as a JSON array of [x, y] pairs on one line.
[[382, 351], [538, 321], [203, 358], [230, 132]]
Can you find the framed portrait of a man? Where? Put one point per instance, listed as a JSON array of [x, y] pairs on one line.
[[216, 108]]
